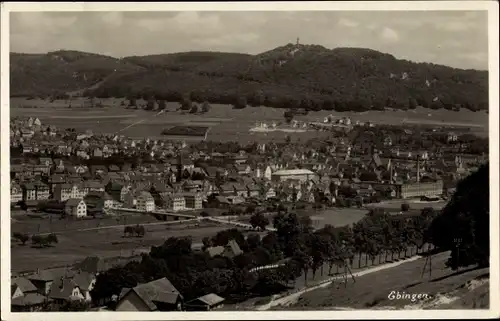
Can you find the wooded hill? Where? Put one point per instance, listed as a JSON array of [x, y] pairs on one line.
[[291, 76]]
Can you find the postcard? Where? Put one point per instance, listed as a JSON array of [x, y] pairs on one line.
[[248, 160]]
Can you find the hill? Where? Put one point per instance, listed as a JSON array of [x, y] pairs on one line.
[[61, 71], [290, 76]]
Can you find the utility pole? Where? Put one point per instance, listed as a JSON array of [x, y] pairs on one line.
[[458, 242]]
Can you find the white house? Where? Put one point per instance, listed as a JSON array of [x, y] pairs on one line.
[[145, 202], [175, 202], [268, 173], [16, 194], [75, 207]]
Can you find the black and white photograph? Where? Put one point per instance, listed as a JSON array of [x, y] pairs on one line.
[[197, 158]]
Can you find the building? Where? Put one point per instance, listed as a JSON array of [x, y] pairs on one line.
[[268, 173], [63, 192], [231, 250], [42, 280], [85, 282], [99, 200], [42, 191], [158, 295], [16, 194], [145, 202], [193, 201], [65, 289], [175, 202], [301, 175], [207, 302], [75, 207], [419, 189], [29, 192], [26, 302]]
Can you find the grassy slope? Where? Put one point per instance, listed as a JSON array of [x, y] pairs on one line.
[[371, 291]]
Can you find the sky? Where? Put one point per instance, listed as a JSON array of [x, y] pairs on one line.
[[454, 38]]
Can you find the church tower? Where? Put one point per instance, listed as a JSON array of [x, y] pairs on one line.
[[298, 41], [180, 166]]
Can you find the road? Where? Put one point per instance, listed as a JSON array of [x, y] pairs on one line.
[[235, 223], [120, 226]]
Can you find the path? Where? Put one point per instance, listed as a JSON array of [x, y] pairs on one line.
[[141, 121], [244, 225], [119, 226], [291, 298]]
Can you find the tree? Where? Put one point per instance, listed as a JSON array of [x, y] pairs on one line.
[[37, 240], [463, 225], [52, 238], [186, 102], [259, 220], [223, 237], [288, 116], [132, 102], [23, 206], [139, 230], [253, 241], [162, 105], [128, 230], [205, 107], [250, 209], [305, 261], [240, 103], [194, 109], [207, 242], [23, 238]]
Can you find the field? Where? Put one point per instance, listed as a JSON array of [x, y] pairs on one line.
[[414, 204], [76, 242], [335, 216], [225, 122], [467, 288]]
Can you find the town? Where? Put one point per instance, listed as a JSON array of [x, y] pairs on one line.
[[62, 178], [249, 160]]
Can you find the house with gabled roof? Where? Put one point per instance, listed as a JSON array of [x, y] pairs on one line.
[[158, 295], [207, 302], [65, 289], [231, 250], [75, 207]]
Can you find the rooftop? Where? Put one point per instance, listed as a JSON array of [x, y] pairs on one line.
[[286, 172]]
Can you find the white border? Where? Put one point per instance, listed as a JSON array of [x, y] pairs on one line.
[[490, 6]]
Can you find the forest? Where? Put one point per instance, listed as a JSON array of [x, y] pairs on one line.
[[314, 78]]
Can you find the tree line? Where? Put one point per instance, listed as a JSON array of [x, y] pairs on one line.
[[39, 241]]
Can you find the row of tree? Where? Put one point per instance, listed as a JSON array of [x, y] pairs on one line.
[[37, 240], [154, 104], [304, 102], [136, 230], [197, 273]]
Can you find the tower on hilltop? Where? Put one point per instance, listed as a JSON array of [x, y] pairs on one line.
[[298, 41]]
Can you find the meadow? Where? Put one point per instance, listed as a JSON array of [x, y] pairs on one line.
[[467, 288], [226, 123], [75, 244]]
